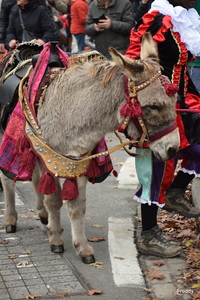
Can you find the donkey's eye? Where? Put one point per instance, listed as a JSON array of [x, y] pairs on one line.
[[154, 107]]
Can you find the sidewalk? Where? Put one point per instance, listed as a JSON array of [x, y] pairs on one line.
[[27, 266]]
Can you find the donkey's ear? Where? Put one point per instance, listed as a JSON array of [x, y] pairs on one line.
[[130, 67], [148, 47]]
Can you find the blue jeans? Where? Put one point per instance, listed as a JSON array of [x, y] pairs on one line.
[[194, 73], [80, 38]]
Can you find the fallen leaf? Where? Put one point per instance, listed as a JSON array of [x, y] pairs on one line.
[[23, 263], [88, 218], [12, 256], [92, 292], [96, 239], [30, 217], [158, 263], [97, 226], [28, 252], [62, 295], [97, 263], [32, 227], [131, 175], [117, 257], [31, 209], [31, 297], [114, 187], [99, 267], [131, 229], [4, 242], [195, 286], [154, 274], [113, 222]]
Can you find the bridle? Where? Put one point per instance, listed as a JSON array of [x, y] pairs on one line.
[[132, 109]]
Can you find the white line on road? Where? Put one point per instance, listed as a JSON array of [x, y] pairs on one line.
[[123, 253]]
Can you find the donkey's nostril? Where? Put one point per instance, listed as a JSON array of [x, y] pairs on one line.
[[172, 152]]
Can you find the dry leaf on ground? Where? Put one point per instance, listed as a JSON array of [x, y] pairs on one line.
[[31, 297], [62, 294], [96, 239], [92, 292]]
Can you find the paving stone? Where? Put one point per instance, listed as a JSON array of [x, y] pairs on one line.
[[39, 289], [18, 293], [72, 287], [14, 283], [59, 279], [11, 277], [4, 294], [33, 275]]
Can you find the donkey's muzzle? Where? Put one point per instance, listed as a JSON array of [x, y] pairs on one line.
[[172, 152]]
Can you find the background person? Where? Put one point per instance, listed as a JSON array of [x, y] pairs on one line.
[[175, 27], [114, 30], [79, 11], [37, 20], [6, 6]]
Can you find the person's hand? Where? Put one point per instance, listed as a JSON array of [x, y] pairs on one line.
[[2, 47], [97, 28], [12, 44], [39, 41], [105, 24]]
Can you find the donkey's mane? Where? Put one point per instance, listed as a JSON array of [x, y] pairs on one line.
[[107, 68]]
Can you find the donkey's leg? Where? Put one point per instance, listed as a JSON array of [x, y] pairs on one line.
[[53, 204], [10, 214], [76, 210], [39, 197]]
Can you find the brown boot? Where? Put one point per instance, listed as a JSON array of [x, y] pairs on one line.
[[177, 201], [153, 243]]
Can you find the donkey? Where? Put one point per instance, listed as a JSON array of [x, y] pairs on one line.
[[80, 106]]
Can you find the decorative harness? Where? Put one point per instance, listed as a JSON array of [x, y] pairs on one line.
[[69, 167]]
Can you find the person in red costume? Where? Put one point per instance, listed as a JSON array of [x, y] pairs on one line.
[[175, 28]]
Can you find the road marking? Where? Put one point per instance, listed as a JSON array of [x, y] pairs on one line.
[[123, 253], [127, 177]]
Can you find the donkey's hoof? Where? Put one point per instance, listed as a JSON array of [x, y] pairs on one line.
[[11, 228], [44, 220], [88, 259], [57, 248]]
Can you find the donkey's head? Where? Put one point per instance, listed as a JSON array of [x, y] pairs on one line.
[[156, 96]]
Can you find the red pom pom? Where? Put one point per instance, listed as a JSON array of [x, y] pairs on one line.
[[47, 184], [115, 173], [171, 89], [70, 189]]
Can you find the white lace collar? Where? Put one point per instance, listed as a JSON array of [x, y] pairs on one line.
[[186, 22]]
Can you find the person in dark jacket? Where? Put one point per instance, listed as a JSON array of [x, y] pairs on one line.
[[114, 29], [37, 20], [6, 6]]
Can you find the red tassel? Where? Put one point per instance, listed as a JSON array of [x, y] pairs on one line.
[[126, 109], [27, 160], [115, 173], [47, 184], [22, 144], [92, 170], [70, 189]]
